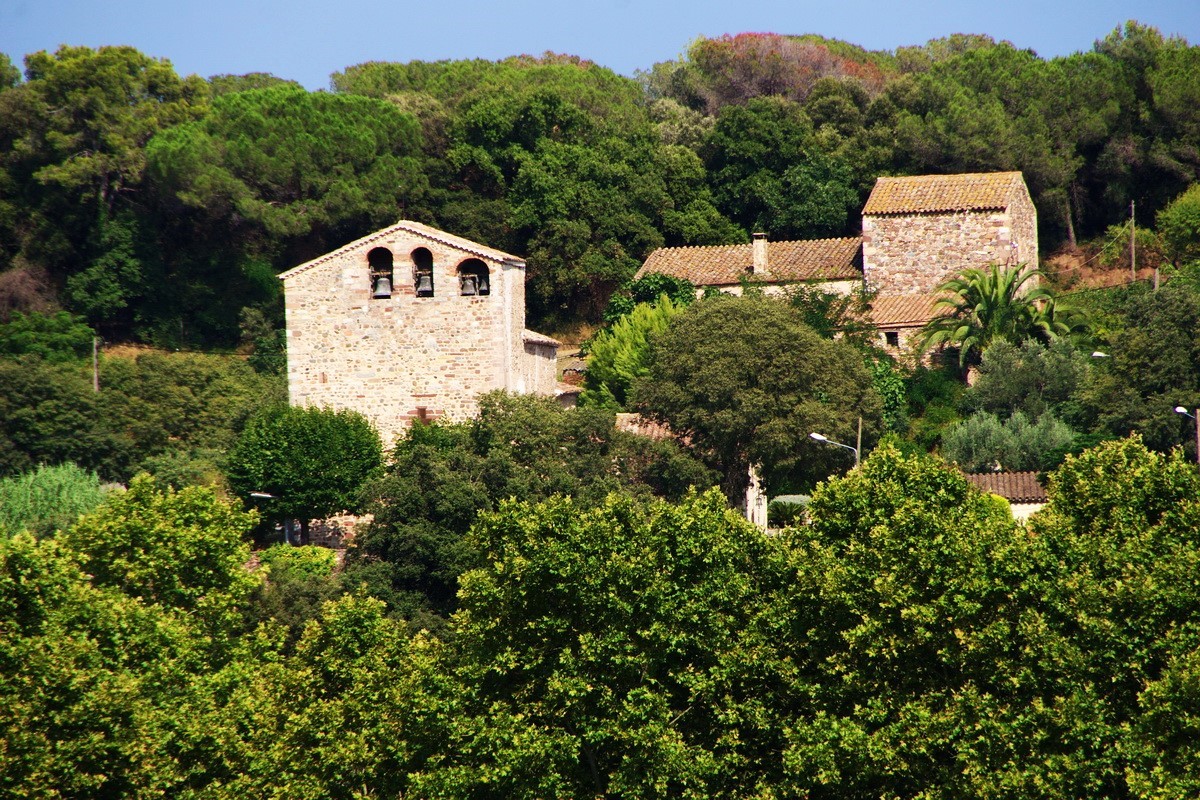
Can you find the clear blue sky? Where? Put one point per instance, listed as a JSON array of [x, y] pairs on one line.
[[307, 40]]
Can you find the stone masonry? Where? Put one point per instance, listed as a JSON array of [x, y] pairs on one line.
[[920, 231], [447, 325]]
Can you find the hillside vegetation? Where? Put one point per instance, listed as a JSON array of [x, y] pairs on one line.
[[160, 207]]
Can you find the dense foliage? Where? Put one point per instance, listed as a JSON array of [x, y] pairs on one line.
[[744, 382], [441, 476], [304, 462], [190, 195], [187, 408], [543, 604], [912, 641]]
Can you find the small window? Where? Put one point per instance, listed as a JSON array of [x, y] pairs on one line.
[[380, 262], [892, 338], [422, 272], [473, 278]]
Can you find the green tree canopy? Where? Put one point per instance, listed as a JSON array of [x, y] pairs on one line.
[[744, 382], [613, 651], [1031, 377], [769, 174], [55, 337], [1178, 226], [1154, 366], [313, 462], [184, 550], [72, 164], [618, 354], [442, 475]]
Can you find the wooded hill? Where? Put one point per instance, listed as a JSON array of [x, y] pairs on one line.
[[161, 207]]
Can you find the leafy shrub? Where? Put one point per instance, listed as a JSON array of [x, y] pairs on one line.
[[55, 337], [982, 442], [48, 498], [304, 562], [787, 510], [648, 289], [619, 354]]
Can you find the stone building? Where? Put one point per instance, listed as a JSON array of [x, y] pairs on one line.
[[916, 233], [919, 231], [411, 323]]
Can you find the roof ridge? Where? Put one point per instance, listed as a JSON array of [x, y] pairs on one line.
[[414, 227]]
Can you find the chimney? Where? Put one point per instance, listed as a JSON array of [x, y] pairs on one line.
[[759, 266]]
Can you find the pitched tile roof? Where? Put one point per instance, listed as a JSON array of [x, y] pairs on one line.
[[905, 310], [727, 264], [1015, 487], [975, 191], [420, 229]]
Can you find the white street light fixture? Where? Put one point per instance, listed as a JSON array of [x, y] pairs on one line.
[[826, 440], [1099, 354]]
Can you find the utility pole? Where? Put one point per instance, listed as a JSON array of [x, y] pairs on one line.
[[1132, 241], [1197, 421], [95, 363]]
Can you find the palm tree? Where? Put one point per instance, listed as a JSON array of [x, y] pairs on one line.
[[989, 304]]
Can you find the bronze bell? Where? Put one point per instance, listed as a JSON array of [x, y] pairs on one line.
[[383, 286], [468, 285], [484, 288], [424, 284]]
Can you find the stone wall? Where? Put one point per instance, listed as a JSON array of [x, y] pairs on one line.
[[404, 357], [914, 253], [1024, 229], [540, 367]]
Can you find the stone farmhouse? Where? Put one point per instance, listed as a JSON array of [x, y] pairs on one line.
[[916, 233], [411, 323]]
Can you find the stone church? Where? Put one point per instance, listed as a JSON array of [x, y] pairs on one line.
[[411, 323]]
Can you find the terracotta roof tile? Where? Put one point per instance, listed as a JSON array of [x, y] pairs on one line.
[[727, 264], [905, 310], [1015, 487], [976, 191]]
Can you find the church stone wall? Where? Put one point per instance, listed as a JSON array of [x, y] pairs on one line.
[[405, 357], [540, 368]]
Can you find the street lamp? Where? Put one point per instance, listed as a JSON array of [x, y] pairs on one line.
[[287, 523], [1195, 418], [1099, 354], [826, 440]]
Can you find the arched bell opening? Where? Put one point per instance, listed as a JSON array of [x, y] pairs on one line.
[[474, 278], [422, 272], [380, 262]]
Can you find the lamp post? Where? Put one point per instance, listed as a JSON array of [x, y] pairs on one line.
[[1195, 418], [287, 523], [826, 440]]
